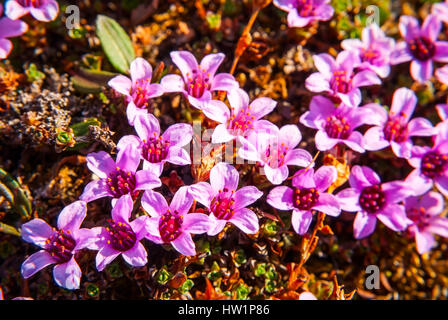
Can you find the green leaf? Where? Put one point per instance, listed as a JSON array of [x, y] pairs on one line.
[[91, 81], [115, 42]]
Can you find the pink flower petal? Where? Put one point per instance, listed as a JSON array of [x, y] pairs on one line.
[[36, 262], [72, 216], [246, 220], [67, 275]]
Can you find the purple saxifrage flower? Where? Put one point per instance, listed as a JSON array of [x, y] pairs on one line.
[[307, 195], [396, 128], [198, 80], [172, 223], [224, 202], [373, 49], [431, 168], [440, 10], [59, 247], [336, 124], [138, 90], [303, 12], [373, 200], [241, 118], [420, 46], [9, 28], [425, 214], [121, 237], [42, 10], [338, 79], [275, 149], [442, 75], [156, 149], [118, 178]]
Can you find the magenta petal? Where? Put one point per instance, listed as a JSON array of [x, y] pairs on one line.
[[185, 61], [400, 54], [298, 157], [36, 262], [439, 226], [324, 63], [154, 203], [136, 256], [290, 136], [301, 221], [421, 71], [409, 27], [211, 62], [132, 112], [425, 241], [394, 217], [374, 139], [128, 139], [317, 82], [441, 54], [286, 5], [128, 159], [121, 84], [72, 216], [67, 275], [238, 99], [202, 192], [14, 10], [442, 76], [121, 212], [246, 220], [276, 175], [95, 190], [222, 176], [324, 177], [431, 27], [404, 101], [221, 134], [12, 28], [216, 226], [105, 256], [85, 238], [100, 163], [5, 48], [246, 196], [355, 142], [418, 182], [296, 21], [224, 82], [323, 141], [173, 83], [217, 111], [365, 78], [182, 201], [363, 176], [140, 70], [147, 126], [364, 225], [146, 180], [48, 11], [184, 244], [304, 178], [36, 231], [348, 200], [196, 223], [178, 156], [178, 134], [442, 184], [261, 107], [421, 127], [328, 204], [280, 198]]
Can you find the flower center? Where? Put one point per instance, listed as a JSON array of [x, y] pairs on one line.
[[337, 127], [222, 205], [241, 122], [369, 55], [372, 198], [156, 149], [140, 93], [170, 226], [419, 216], [60, 246], [122, 237], [433, 164], [275, 155], [121, 182], [396, 129], [422, 48], [341, 82], [305, 8], [305, 198], [198, 82], [30, 3]]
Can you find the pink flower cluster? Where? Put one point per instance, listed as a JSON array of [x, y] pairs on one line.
[[10, 26], [411, 205]]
